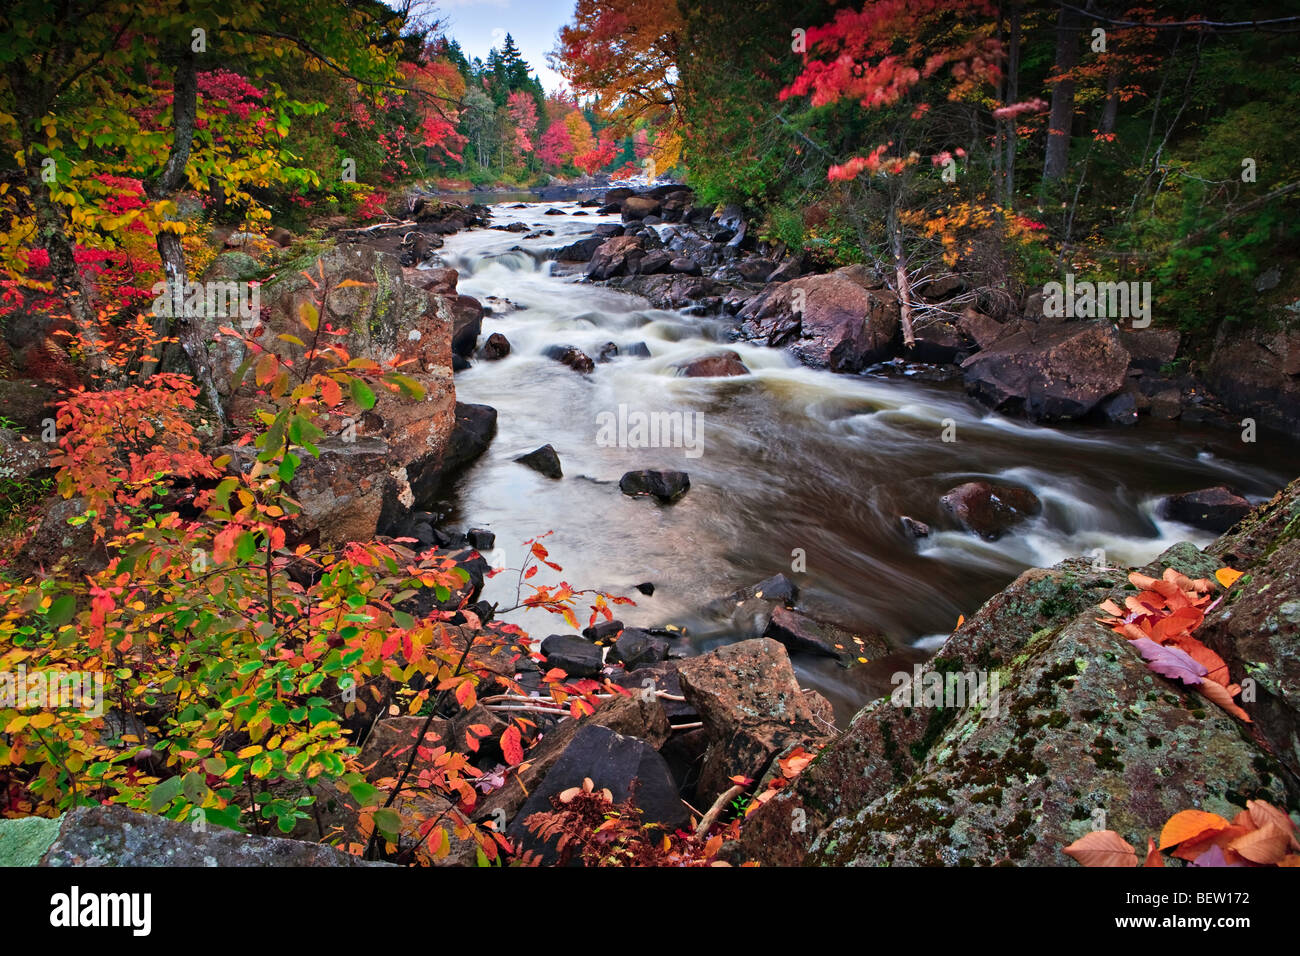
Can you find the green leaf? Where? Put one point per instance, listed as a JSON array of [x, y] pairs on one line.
[[164, 793], [388, 822], [362, 395], [363, 793], [61, 612], [195, 787]]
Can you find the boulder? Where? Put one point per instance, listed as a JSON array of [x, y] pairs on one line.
[[1051, 372], [915, 528], [496, 347], [623, 765], [1150, 349], [341, 491], [713, 366], [752, 708], [20, 456], [1210, 509], [389, 746], [118, 837], [940, 342], [981, 329], [684, 266], [636, 208], [1255, 371], [666, 486], [799, 632], [27, 404], [656, 261], [544, 460], [572, 654], [1076, 723], [636, 648], [576, 359], [827, 321], [583, 249], [989, 509], [481, 539], [618, 256], [476, 426]]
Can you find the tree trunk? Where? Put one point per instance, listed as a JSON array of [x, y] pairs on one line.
[[1013, 96], [188, 329], [900, 274], [1110, 112], [1057, 159]]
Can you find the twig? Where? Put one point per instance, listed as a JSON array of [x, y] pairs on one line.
[[715, 811]]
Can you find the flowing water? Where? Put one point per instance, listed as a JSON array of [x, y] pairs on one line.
[[790, 462]]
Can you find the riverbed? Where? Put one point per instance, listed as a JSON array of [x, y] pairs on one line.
[[796, 470]]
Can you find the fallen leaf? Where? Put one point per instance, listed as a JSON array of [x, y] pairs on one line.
[[1267, 845], [1190, 825], [1221, 696], [1227, 576], [1102, 848], [1262, 812], [1170, 662], [1154, 859]]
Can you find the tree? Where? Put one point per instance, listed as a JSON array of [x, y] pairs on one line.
[[556, 146]]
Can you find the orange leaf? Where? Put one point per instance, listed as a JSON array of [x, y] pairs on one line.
[[511, 746], [1111, 608], [1227, 576], [1212, 662], [1266, 845], [1102, 848], [1154, 858], [1221, 696], [1189, 825], [1262, 812]]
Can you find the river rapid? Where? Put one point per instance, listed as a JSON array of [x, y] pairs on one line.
[[793, 470]]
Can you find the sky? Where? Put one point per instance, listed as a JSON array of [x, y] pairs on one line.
[[480, 25]]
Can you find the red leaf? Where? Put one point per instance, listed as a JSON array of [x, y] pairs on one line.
[[511, 746]]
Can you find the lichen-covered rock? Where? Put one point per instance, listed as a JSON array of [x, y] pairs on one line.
[[1071, 722], [116, 836]]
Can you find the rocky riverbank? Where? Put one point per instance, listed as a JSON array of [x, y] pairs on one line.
[[681, 254]]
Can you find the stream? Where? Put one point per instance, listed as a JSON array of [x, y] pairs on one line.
[[793, 467]]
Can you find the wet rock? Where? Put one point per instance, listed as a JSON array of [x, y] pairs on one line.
[[623, 765], [467, 314], [481, 539], [753, 709], [990, 509], [575, 358], [618, 194], [1211, 509], [1051, 372], [116, 836], [713, 366], [603, 632], [496, 347], [553, 212], [684, 266], [666, 486], [917, 529], [1255, 371], [606, 230], [636, 648], [476, 426], [645, 588], [608, 352], [618, 256], [635, 350], [511, 227], [755, 270], [544, 460], [572, 654], [440, 281], [583, 249], [827, 321], [799, 632]]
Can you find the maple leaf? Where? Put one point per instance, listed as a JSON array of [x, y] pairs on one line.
[[1171, 662]]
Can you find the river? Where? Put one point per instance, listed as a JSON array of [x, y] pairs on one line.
[[797, 470]]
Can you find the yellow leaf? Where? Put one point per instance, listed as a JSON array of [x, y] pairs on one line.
[[1227, 576]]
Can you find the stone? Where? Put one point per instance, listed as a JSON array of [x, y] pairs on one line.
[[620, 255], [915, 528], [799, 632], [1210, 509], [481, 539], [636, 208], [623, 765], [826, 321], [752, 708], [496, 347], [574, 358], [584, 249], [636, 648], [20, 456], [544, 460], [988, 509], [666, 486], [573, 655], [116, 836], [713, 366], [1051, 372]]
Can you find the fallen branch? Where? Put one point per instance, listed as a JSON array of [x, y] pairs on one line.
[[715, 811]]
